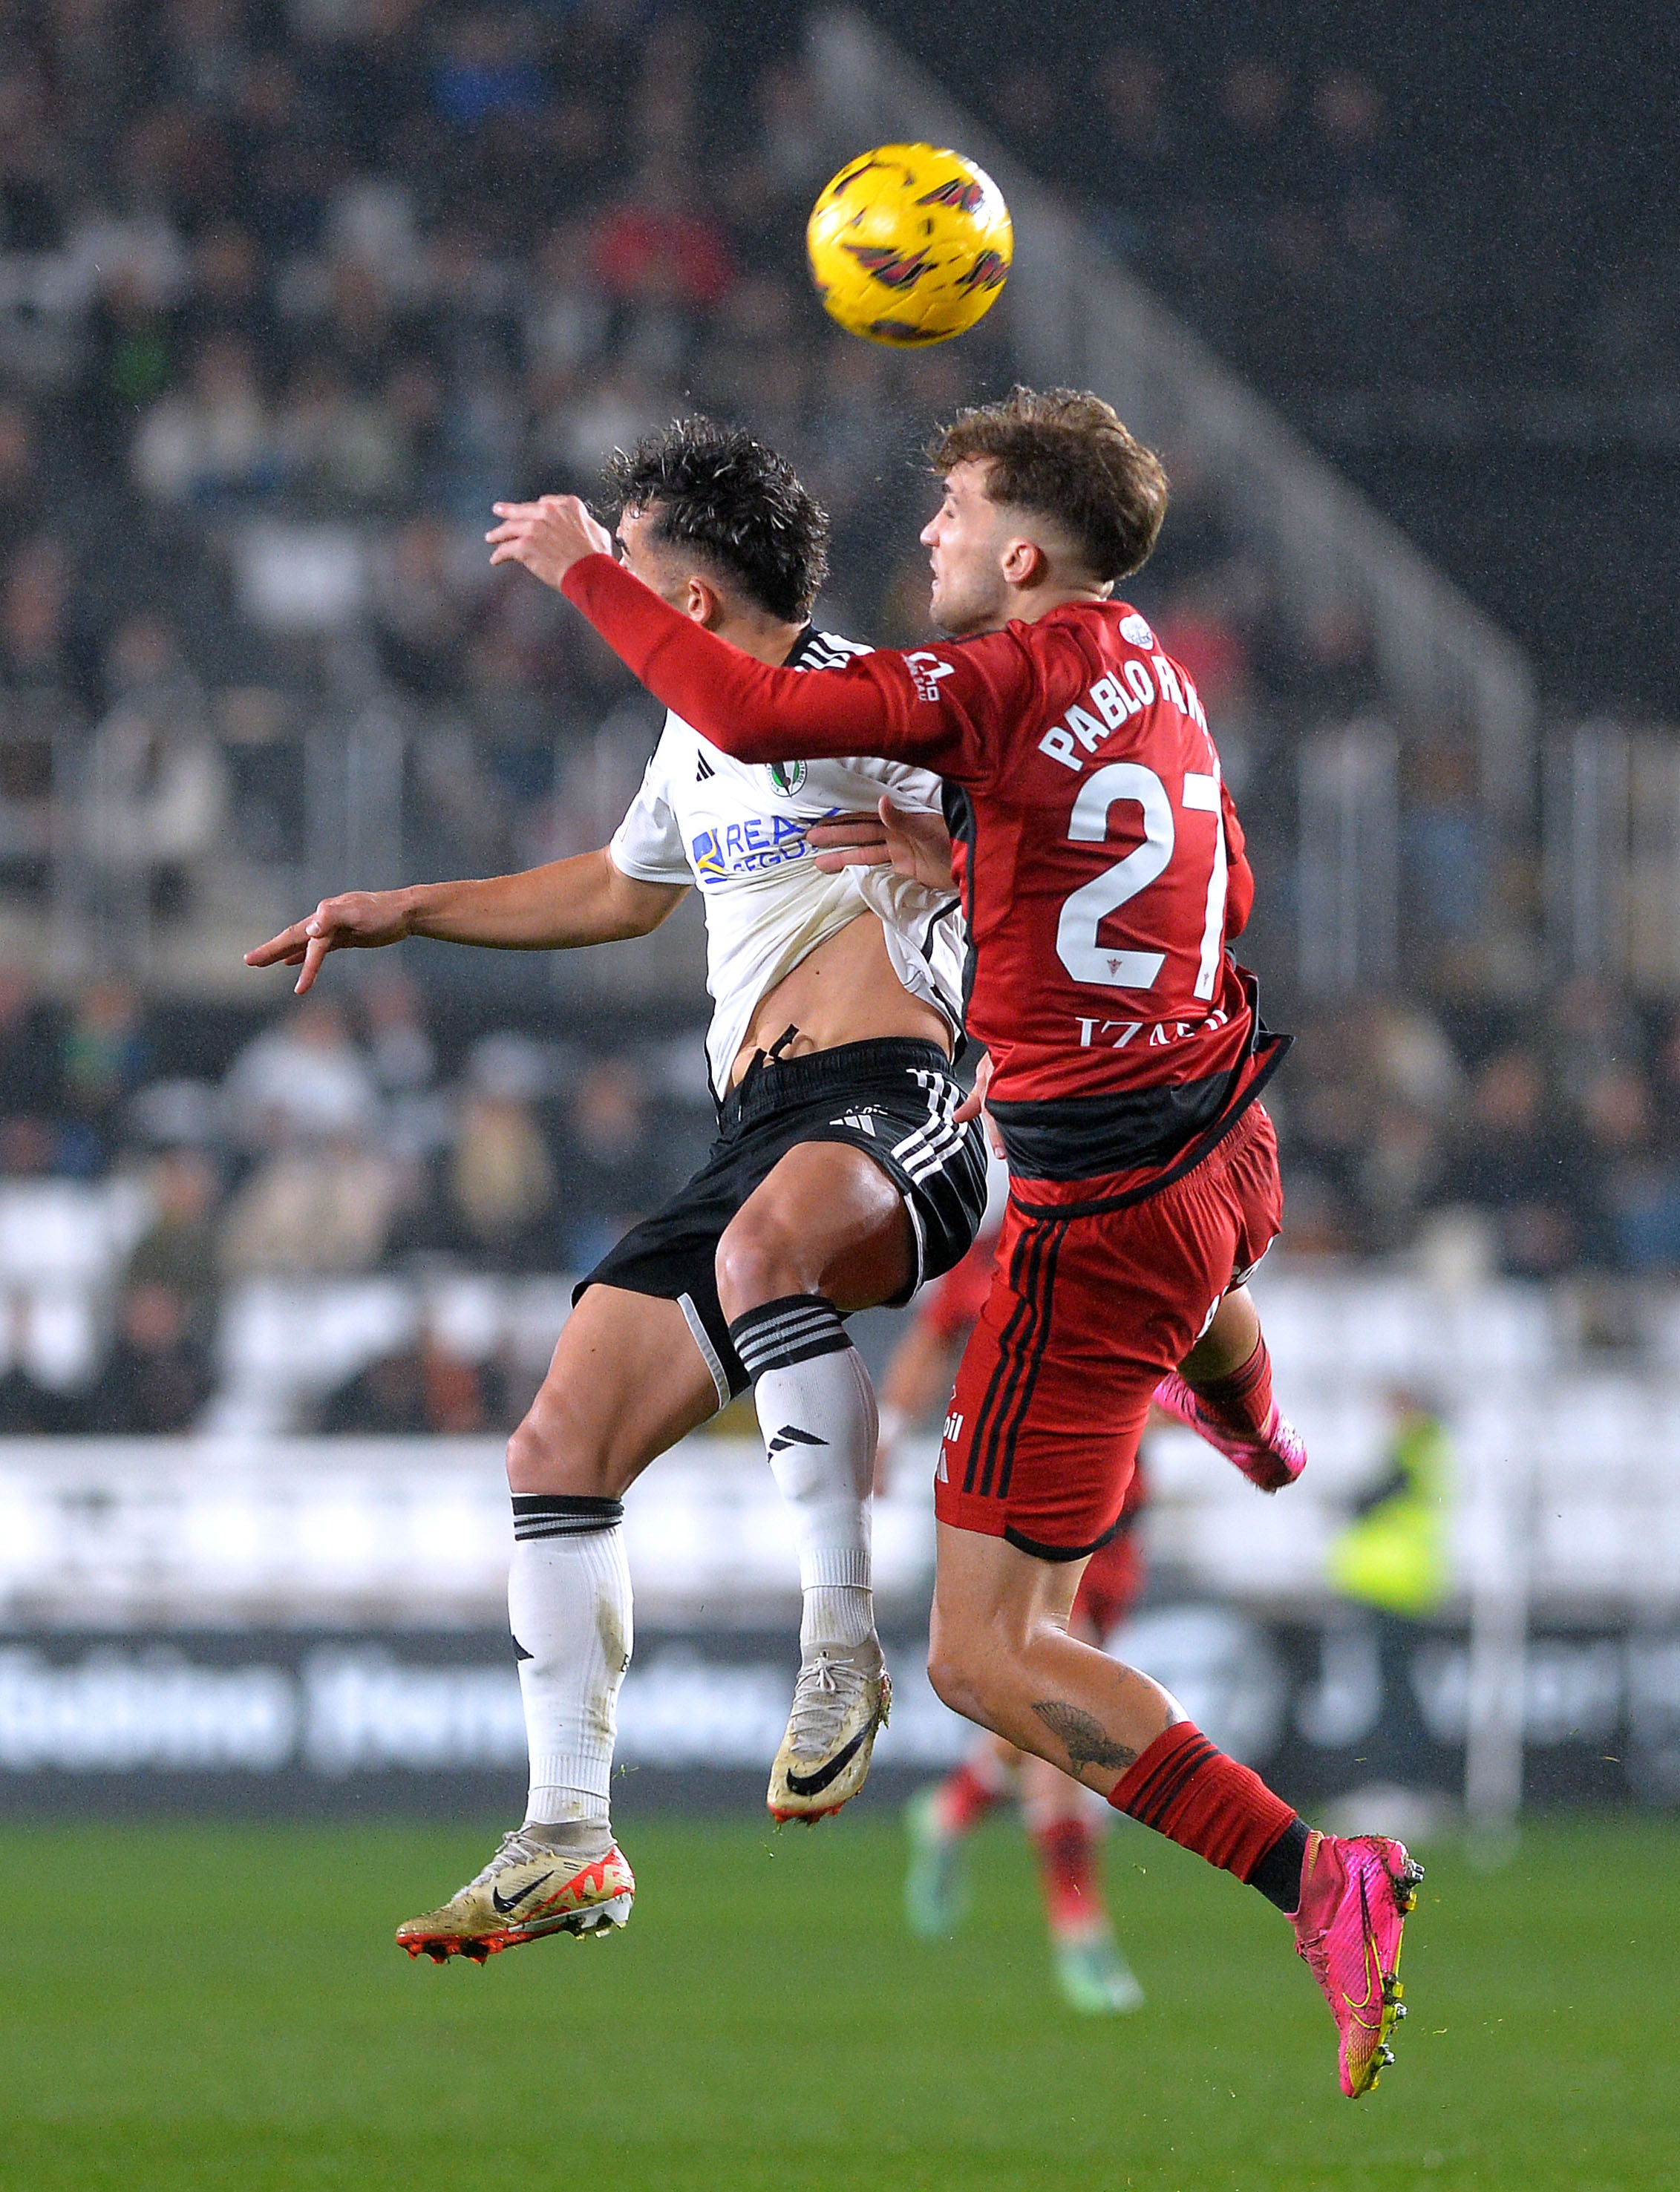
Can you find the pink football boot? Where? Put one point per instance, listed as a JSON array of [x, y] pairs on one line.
[[1355, 1896], [1270, 1462]]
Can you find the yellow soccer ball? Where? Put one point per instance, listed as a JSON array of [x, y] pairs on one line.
[[909, 245]]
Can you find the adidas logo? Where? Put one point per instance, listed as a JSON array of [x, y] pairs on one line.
[[705, 770], [791, 1435], [861, 1122]]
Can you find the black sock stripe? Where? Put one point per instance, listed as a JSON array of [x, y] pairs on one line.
[[1025, 1343], [784, 1357], [1158, 1800], [563, 1515], [784, 1305], [797, 1328], [1145, 1788], [1191, 1754], [1041, 1345]]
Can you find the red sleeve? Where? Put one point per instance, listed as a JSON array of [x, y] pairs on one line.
[[931, 705], [1239, 885]]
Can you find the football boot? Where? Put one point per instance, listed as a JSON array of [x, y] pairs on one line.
[[1355, 1897], [525, 1892], [842, 1697]]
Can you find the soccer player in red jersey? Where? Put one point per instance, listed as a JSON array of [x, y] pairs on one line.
[[1103, 874]]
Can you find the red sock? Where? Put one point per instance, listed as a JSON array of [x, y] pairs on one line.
[[1067, 1851], [964, 1799], [1203, 1800], [1242, 1401]]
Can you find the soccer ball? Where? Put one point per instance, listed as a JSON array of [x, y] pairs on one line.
[[909, 245]]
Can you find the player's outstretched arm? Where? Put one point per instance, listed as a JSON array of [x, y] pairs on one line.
[[558, 907], [923, 707], [913, 840]]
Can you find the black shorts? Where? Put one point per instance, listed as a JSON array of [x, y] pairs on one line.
[[893, 1099]]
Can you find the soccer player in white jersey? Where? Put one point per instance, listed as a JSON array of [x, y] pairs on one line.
[[839, 1181]]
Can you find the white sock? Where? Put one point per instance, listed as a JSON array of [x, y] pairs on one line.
[[569, 1609], [816, 1409]]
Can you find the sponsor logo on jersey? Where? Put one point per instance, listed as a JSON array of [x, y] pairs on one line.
[[746, 847], [705, 770], [1136, 630], [788, 777], [926, 668]]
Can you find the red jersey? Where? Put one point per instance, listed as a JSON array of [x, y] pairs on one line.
[[1099, 857]]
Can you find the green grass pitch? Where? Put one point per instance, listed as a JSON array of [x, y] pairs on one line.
[[212, 2006]]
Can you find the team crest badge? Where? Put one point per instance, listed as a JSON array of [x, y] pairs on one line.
[[788, 777]]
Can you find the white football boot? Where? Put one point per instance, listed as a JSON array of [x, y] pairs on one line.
[[526, 1891], [844, 1696]]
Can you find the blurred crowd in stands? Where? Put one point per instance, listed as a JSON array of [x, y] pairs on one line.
[[1289, 198], [290, 290], [288, 294], [357, 1132]]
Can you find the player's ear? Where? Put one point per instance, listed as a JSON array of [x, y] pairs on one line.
[[702, 604], [1025, 562]]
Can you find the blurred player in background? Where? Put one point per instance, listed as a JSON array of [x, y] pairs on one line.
[[1104, 878], [1064, 1821], [840, 1180]]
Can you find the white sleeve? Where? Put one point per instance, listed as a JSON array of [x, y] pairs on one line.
[[648, 844], [905, 784]]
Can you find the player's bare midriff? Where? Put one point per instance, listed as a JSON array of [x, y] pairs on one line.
[[846, 990]]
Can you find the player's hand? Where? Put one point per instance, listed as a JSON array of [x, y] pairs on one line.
[[355, 921], [973, 1106], [909, 840], [547, 536]]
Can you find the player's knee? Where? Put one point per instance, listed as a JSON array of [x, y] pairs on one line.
[[542, 1458], [757, 1262], [957, 1675]]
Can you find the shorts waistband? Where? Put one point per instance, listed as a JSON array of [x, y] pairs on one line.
[[771, 1085]]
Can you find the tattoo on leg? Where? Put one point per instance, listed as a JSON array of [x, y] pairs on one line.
[[1084, 1738]]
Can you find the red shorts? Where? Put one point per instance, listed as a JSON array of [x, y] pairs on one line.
[[1090, 1307]]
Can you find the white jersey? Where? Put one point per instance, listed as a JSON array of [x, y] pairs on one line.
[[737, 830]]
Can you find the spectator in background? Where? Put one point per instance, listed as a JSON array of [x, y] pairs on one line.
[[36, 638], [1636, 1192], [608, 1180], [1134, 172], [423, 1390], [1513, 1159], [155, 790], [178, 1248], [500, 1177], [1443, 849], [425, 595], [305, 1077], [29, 1407], [32, 1066], [106, 1057], [158, 1376], [228, 294], [20, 484], [314, 1207], [213, 440]]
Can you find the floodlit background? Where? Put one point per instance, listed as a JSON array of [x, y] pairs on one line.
[[290, 290]]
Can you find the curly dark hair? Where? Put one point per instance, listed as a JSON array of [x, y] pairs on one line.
[[725, 499], [1063, 453]]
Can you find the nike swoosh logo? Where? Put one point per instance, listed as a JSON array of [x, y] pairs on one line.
[[1373, 1965], [813, 1785], [505, 1903]]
